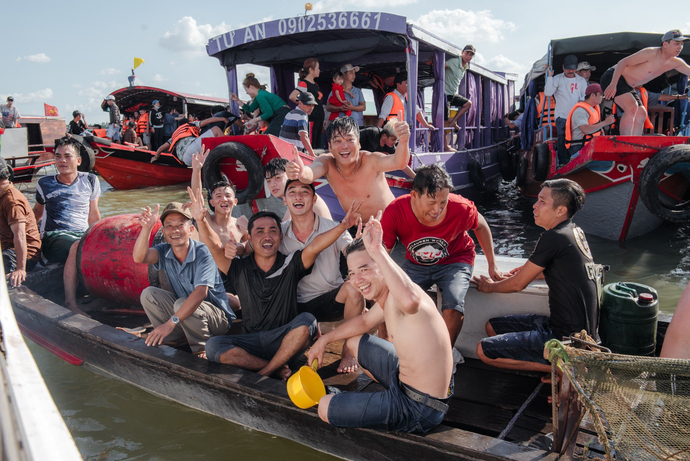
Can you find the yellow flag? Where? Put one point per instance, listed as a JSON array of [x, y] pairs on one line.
[[138, 62]]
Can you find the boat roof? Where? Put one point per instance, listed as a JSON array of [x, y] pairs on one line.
[[374, 41], [133, 98]]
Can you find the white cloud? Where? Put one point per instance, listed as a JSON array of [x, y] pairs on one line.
[[36, 96], [110, 71], [158, 78], [40, 58], [500, 63], [460, 25], [187, 36], [99, 90], [343, 5]]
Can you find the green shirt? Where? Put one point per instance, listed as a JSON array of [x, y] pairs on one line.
[[455, 71], [267, 102]]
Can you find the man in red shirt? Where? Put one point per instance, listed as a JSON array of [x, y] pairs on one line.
[[432, 224]]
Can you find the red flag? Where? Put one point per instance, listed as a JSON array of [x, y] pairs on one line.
[[51, 111]]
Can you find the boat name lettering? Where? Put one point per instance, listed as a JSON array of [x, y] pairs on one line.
[[327, 21]]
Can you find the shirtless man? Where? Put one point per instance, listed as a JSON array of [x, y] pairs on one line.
[[416, 366], [355, 175], [637, 69]]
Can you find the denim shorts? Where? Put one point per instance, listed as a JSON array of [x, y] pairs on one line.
[[452, 279], [263, 344], [391, 409], [519, 337]]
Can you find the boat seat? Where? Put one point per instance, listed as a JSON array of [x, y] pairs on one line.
[[662, 119]]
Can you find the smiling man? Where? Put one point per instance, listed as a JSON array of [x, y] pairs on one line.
[[276, 179], [432, 225], [562, 254]]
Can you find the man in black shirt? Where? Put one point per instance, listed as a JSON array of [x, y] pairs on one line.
[[77, 125], [375, 139], [562, 254], [266, 283], [156, 121], [222, 112]]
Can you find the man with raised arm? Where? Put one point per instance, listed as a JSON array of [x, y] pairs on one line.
[[266, 283], [355, 175], [415, 367], [619, 82]]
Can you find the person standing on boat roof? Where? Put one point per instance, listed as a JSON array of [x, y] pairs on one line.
[[585, 69], [114, 127], [76, 125], [295, 128], [395, 102], [273, 109], [19, 236], [276, 334], [416, 367], [198, 307], [9, 113], [584, 120], [568, 89], [355, 103], [156, 122], [619, 82], [352, 174], [562, 255], [455, 72], [309, 72], [66, 205], [432, 224]]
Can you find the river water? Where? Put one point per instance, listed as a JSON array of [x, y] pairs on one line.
[[111, 420]]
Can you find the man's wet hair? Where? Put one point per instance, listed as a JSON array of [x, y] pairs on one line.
[[356, 245], [341, 126], [222, 183], [389, 129], [431, 179], [275, 167], [217, 108], [566, 193], [264, 214], [69, 141]]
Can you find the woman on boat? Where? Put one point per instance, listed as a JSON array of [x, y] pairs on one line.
[[273, 108], [307, 74]]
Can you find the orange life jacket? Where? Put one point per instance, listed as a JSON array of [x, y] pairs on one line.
[[644, 95], [398, 105], [594, 117], [182, 132], [142, 123], [99, 132], [546, 112]]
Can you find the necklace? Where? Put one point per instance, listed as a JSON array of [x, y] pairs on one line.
[[341, 173]]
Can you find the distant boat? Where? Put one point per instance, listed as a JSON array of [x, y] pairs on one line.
[[30, 146]]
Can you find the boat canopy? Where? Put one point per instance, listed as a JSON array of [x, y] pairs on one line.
[[133, 98]]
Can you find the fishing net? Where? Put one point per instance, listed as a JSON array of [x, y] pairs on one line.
[[640, 406]]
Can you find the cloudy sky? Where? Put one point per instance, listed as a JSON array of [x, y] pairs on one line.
[[70, 55]]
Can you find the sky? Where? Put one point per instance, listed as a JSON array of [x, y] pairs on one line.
[[71, 55]]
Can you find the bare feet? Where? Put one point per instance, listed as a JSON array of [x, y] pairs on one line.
[[201, 354], [74, 308], [283, 373], [348, 364], [448, 149]]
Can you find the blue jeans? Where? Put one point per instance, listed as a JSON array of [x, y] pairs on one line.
[[263, 344], [563, 155], [519, 337], [452, 279], [391, 409]]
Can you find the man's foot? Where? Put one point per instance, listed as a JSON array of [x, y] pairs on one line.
[[448, 149], [201, 354], [348, 364], [74, 308], [283, 373]]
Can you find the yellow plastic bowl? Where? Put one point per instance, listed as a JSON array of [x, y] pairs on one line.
[[305, 387]]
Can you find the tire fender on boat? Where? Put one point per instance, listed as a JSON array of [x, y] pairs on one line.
[[104, 141], [521, 178], [212, 172], [476, 175], [88, 156], [506, 163], [658, 202], [541, 161]]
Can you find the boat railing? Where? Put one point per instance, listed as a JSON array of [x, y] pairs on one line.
[[31, 426]]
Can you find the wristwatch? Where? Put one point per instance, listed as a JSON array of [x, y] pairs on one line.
[[175, 319]]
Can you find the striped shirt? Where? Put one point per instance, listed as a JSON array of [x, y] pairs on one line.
[[295, 122]]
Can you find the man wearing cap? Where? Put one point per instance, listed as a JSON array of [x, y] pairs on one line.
[[356, 102], [77, 125], [198, 307], [114, 127], [568, 88], [619, 82], [396, 101], [295, 128], [9, 112], [19, 237], [156, 122], [584, 120], [585, 69], [455, 72]]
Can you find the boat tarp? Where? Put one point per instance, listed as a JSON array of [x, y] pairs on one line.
[[130, 99]]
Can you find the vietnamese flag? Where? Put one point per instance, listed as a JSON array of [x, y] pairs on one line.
[[51, 111]]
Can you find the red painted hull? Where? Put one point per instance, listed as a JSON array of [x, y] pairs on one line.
[[132, 174]]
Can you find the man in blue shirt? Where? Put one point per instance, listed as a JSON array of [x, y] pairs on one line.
[[198, 308]]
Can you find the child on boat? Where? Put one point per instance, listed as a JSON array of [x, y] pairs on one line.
[[338, 96]]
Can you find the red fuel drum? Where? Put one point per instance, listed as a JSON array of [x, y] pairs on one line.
[[105, 264]]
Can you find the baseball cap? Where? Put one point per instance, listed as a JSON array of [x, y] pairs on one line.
[[155, 101], [470, 48], [570, 62], [307, 98], [110, 97], [584, 65], [175, 207], [676, 35], [10, 98], [593, 88], [348, 67]]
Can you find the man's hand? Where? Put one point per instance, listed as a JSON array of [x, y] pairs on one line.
[[483, 283], [295, 168], [243, 224], [402, 129], [316, 352], [352, 217], [610, 91], [199, 158], [373, 234], [231, 248], [549, 70], [158, 335], [148, 219], [196, 206], [609, 120], [155, 157], [495, 274], [17, 277]]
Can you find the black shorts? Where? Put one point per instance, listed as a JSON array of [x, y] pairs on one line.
[[622, 86], [454, 100], [324, 307]]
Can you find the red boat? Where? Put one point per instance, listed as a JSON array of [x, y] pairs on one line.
[[29, 147]]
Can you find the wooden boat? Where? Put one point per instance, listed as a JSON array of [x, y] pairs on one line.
[[29, 147], [635, 182]]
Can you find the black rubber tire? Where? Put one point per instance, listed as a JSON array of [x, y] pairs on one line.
[[652, 173], [505, 163], [104, 141], [541, 161], [521, 178], [88, 156], [212, 174], [477, 175]]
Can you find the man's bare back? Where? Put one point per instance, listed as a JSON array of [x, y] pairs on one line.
[[655, 64]]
